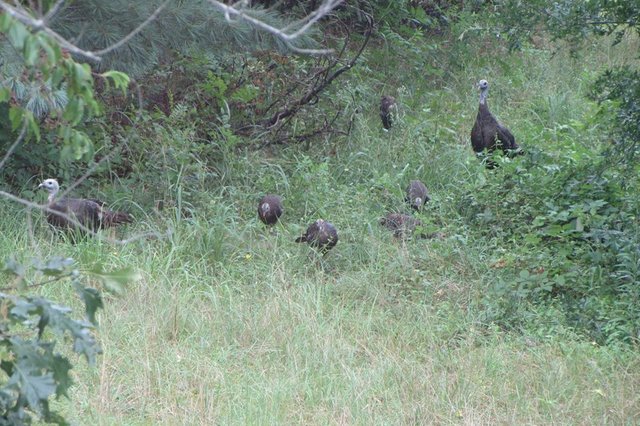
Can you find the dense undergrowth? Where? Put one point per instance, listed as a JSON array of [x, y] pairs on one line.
[[535, 276]]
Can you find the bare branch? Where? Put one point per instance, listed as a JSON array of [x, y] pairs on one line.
[[236, 10], [133, 33], [324, 79], [15, 144], [54, 9], [323, 10], [40, 25], [40, 284]]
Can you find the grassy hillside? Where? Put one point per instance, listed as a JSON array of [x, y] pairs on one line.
[[234, 324]]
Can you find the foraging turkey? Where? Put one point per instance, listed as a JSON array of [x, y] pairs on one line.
[[388, 109], [321, 235], [270, 209], [90, 213], [487, 132], [417, 194], [402, 225]]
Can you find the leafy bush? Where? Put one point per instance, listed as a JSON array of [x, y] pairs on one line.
[[622, 88], [46, 100], [34, 370], [571, 238]]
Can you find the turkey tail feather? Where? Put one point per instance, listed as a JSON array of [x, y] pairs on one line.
[[111, 218]]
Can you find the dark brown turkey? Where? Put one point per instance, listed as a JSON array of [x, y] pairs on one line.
[[388, 110], [402, 225], [270, 209], [487, 133], [417, 194], [321, 235], [90, 213]]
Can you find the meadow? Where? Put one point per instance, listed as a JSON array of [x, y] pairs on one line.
[[233, 323]]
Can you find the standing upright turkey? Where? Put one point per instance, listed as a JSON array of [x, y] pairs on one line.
[[270, 209], [90, 213], [388, 111], [487, 132]]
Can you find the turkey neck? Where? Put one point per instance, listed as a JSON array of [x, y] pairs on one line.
[[483, 108], [483, 97], [52, 196]]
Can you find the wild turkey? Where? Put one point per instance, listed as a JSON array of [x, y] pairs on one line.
[[388, 110], [270, 209], [91, 213], [417, 194], [402, 225], [487, 132], [321, 235]]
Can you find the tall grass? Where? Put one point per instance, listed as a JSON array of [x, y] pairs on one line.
[[235, 324]]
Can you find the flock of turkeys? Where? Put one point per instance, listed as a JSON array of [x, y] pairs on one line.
[[486, 136]]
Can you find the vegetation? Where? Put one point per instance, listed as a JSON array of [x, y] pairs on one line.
[[522, 309]]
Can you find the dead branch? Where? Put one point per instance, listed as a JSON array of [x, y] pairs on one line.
[[327, 128], [304, 24], [323, 78]]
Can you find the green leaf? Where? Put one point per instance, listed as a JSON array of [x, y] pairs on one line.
[[53, 52], [87, 346], [11, 265], [115, 281], [16, 115], [32, 125], [57, 76], [81, 73], [120, 79], [31, 50], [5, 94], [92, 300], [245, 93], [17, 34], [55, 266], [81, 144], [74, 111], [5, 22], [35, 388], [60, 368]]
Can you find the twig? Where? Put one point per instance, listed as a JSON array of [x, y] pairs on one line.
[[314, 17], [40, 284], [326, 127], [18, 13], [133, 33], [15, 144], [311, 94], [40, 25], [54, 9]]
